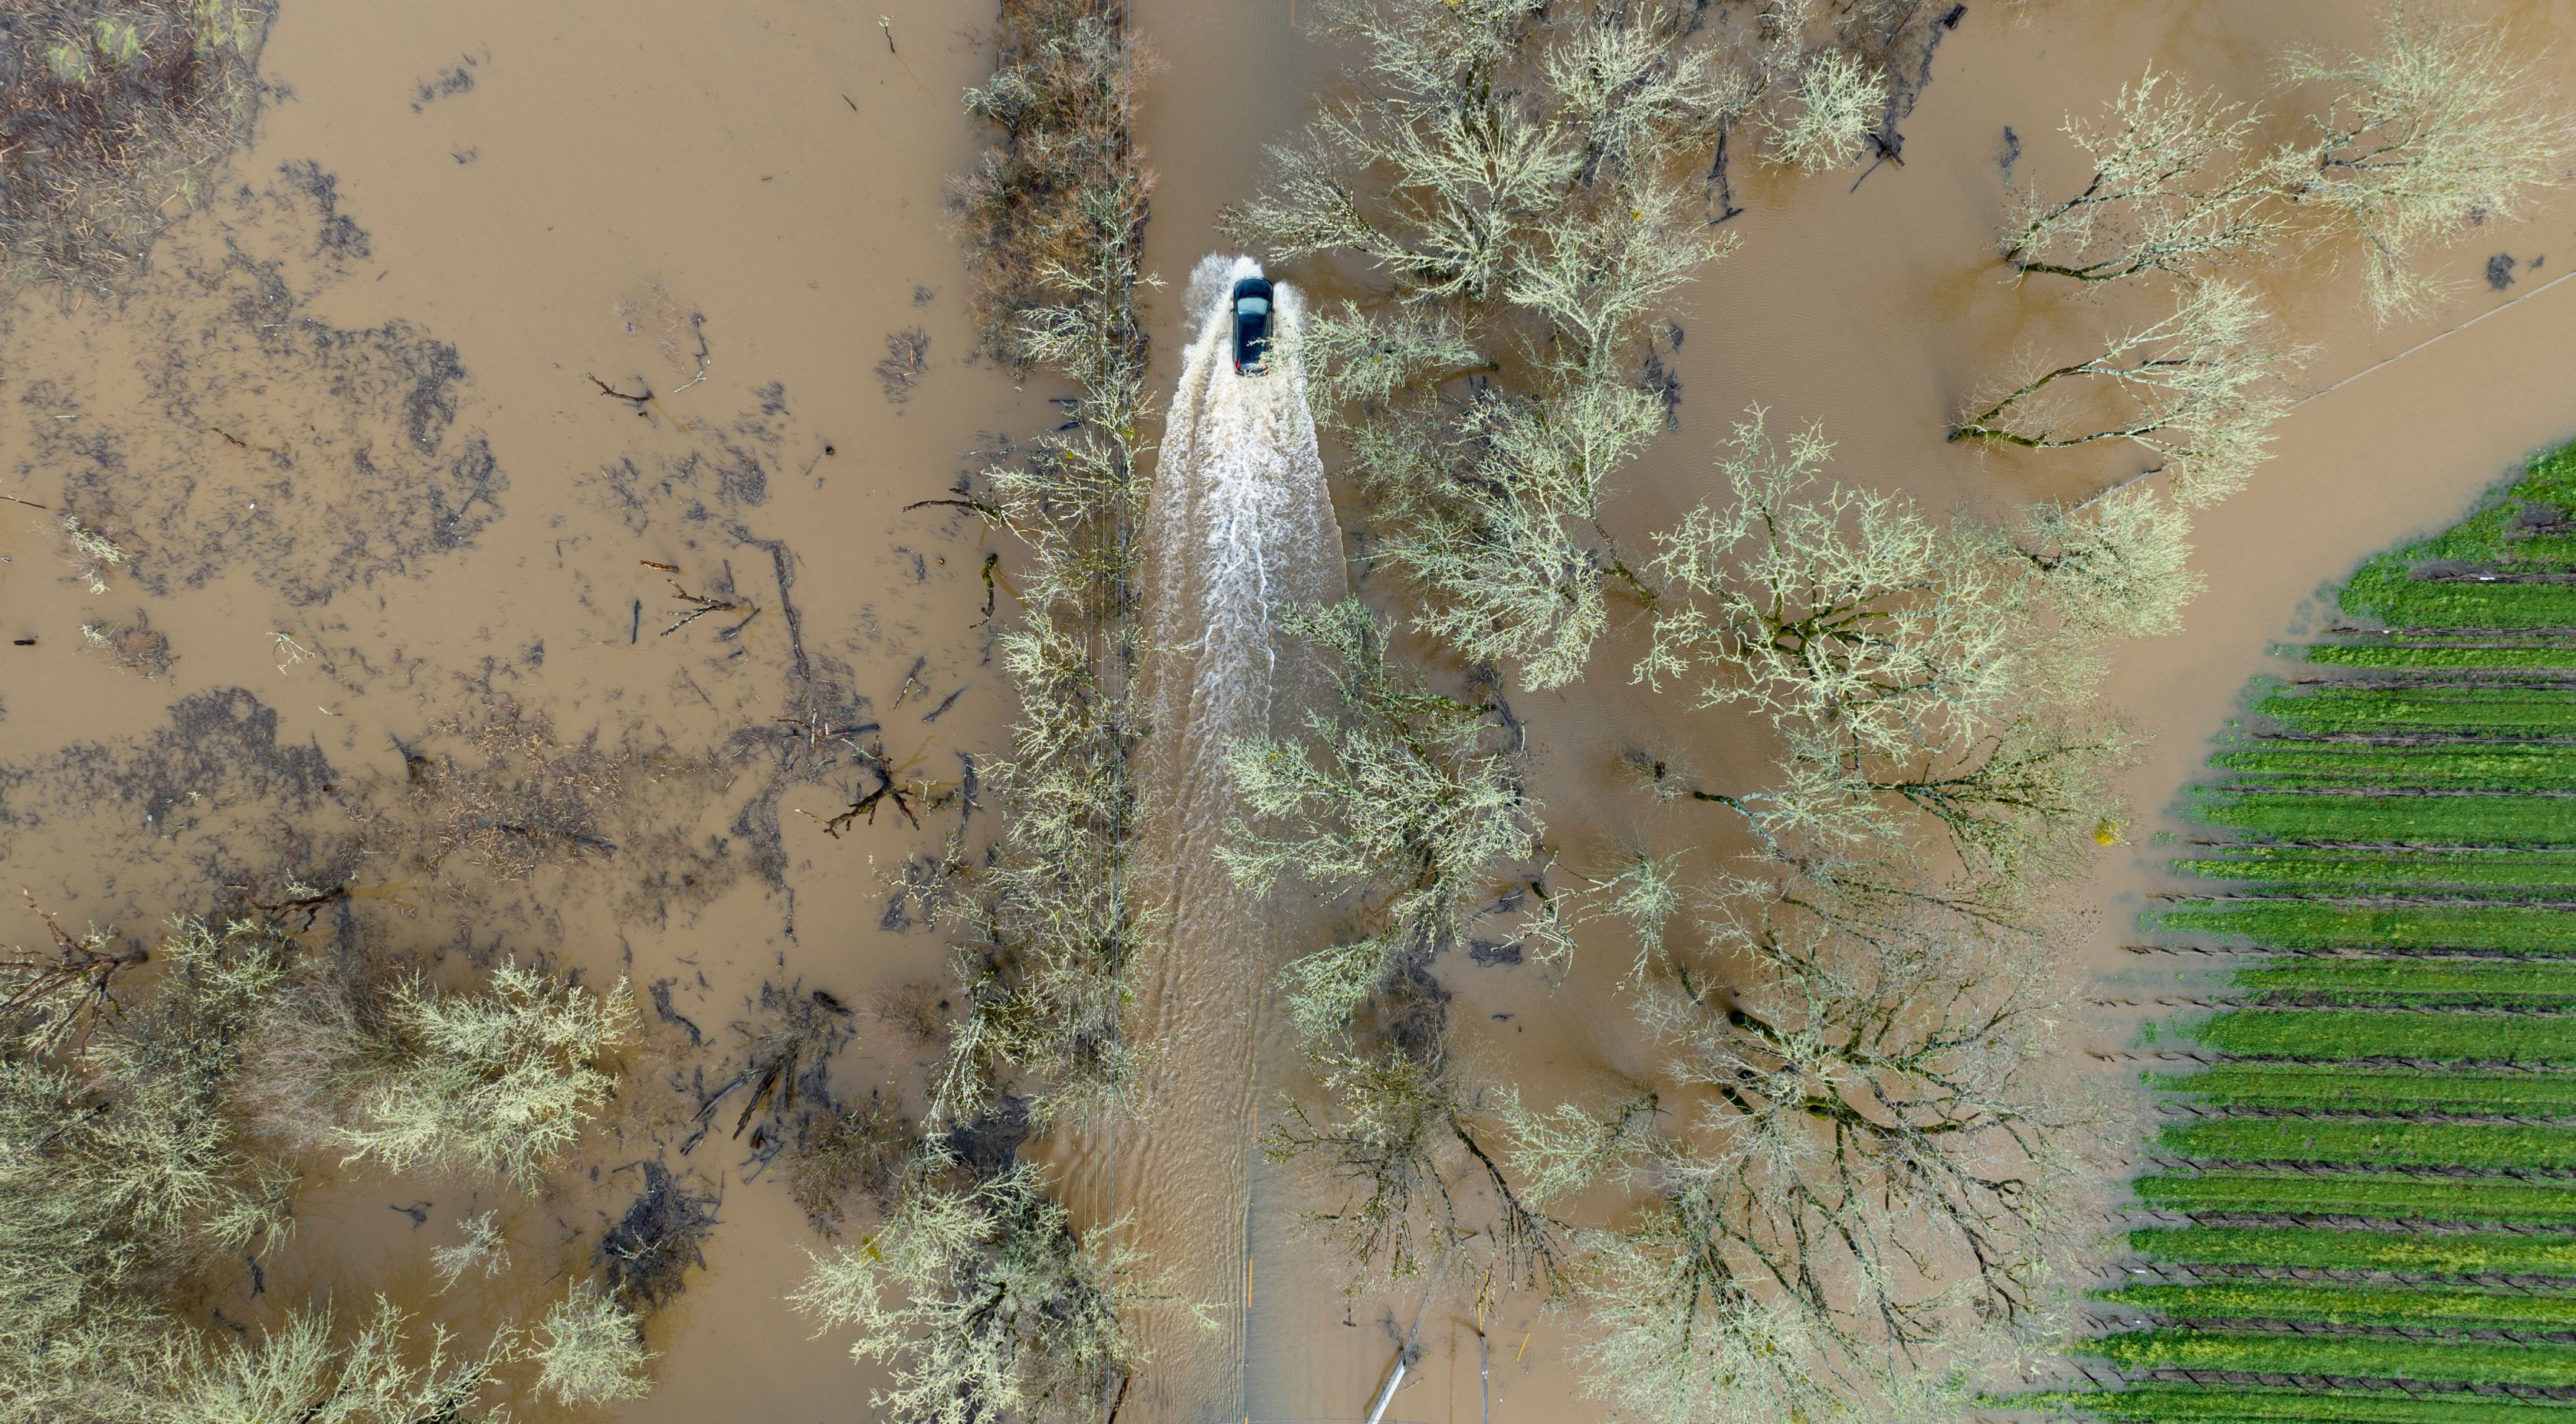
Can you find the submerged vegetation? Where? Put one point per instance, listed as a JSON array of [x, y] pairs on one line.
[[2355, 1208], [114, 118], [1843, 1189], [161, 1108]]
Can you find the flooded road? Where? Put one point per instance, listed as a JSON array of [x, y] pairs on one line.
[[525, 337], [1240, 528]]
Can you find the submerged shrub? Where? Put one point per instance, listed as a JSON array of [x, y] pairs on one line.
[[590, 1350], [980, 1299], [499, 1081], [149, 1129]]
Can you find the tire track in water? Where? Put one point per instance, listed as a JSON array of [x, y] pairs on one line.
[[1239, 526]]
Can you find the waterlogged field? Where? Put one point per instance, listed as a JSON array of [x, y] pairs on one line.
[[2364, 1200]]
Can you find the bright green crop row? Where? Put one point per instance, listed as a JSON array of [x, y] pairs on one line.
[[2378, 1141], [2456, 839], [2363, 1033], [2422, 655], [2355, 1194], [2416, 980], [2303, 924], [2386, 589], [2472, 766], [2466, 1254], [2301, 1085], [2253, 1404], [2454, 820], [2369, 1357], [2407, 604], [2468, 1309], [2375, 1089], [2537, 871], [2485, 710]]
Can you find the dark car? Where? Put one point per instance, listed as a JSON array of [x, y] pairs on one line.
[[1251, 325]]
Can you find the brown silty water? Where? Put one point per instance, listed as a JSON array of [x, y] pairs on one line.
[[353, 405], [360, 413]]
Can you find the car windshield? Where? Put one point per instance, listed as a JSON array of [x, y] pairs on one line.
[[1253, 306]]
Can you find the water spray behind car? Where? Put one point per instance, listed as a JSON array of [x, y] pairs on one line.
[[1241, 525], [1239, 529]]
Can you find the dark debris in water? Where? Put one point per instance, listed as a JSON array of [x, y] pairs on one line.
[[220, 750], [645, 1254], [321, 458], [990, 1145]]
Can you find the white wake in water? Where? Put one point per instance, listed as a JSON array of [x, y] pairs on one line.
[[1240, 527]]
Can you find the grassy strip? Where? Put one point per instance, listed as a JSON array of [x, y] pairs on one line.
[[2418, 655], [2466, 1254], [2231, 1404], [2404, 603], [2486, 710], [2379, 1142], [2431, 1199], [2529, 982], [2370, 1357], [2292, 867], [2472, 767], [2458, 820], [2385, 587], [2300, 925], [2375, 1089], [2331, 1305], [2361, 1033]]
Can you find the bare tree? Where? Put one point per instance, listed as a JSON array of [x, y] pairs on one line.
[[1400, 797], [2117, 565], [1404, 803], [1834, 105], [1906, 666], [499, 1080], [122, 1171], [383, 1372], [2172, 191], [589, 1349], [1512, 187], [1418, 1164], [138, 1153], [1874, 1182], [2426, 136], [1833, 608], [2198, 389]]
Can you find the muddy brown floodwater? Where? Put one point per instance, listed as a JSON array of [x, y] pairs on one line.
[[415, 568]]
